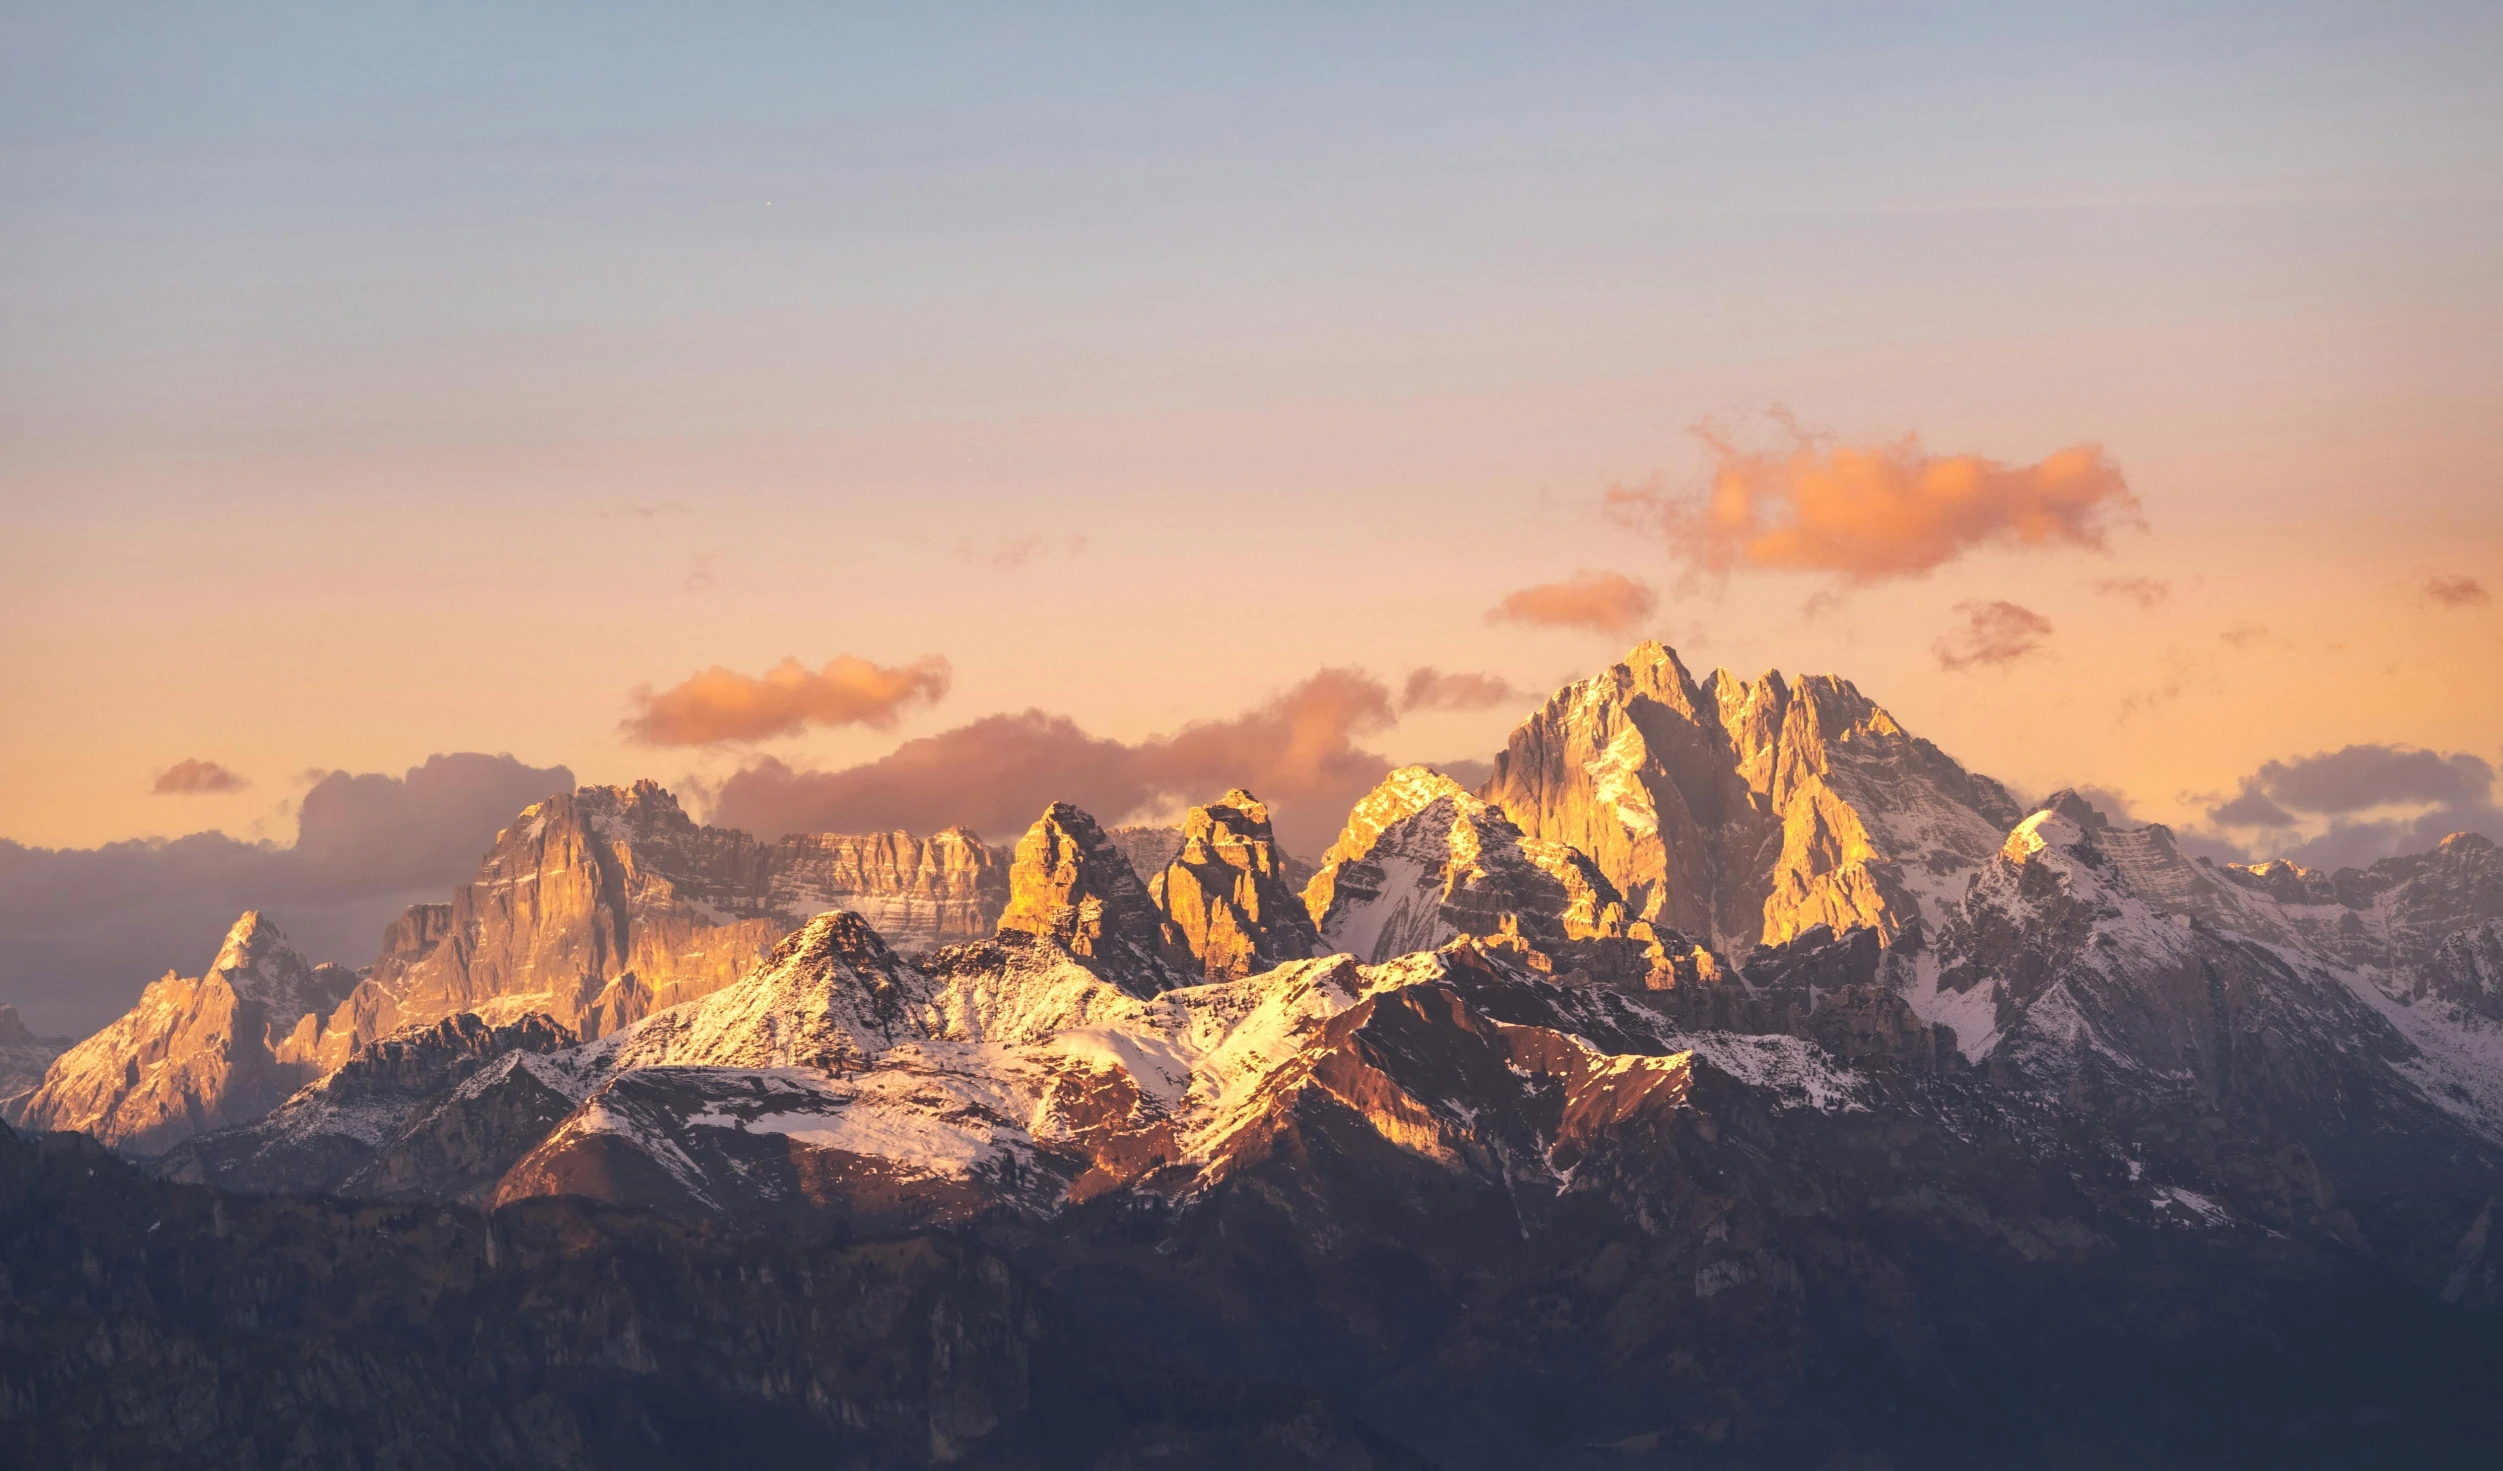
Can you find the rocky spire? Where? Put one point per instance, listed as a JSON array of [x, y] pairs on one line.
[[258, 962], [1227, 907], [1068, 884], [194, 1054]]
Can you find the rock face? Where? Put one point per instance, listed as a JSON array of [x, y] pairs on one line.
[[920, 893], [2466, 970], [1227, 906], [23, 1056], [1584, 1224], [1422, 862], [593, 907], [433, 1104], [1748, 812], [607, 904], [2387, 921], [195, 1053], [1070, 886], [2275, 1068], [1149, 849]]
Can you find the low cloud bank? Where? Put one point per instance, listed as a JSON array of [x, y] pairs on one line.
[[1297, 752], [2379, 800], [82, 930], [1432, 689]]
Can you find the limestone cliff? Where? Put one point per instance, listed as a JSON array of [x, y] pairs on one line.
[[604, 905], [1747, 812], [1228, 909], [196, 1053], [918, 893], [595, 907]]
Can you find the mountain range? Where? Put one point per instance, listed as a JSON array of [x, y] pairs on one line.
[[1733, 1079]]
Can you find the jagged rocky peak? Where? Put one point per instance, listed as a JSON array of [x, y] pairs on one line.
[[195, 1053], [258, 962], [2466, 969], [1228, 908], [1069, 885], [1748, 811], [23, 1055], [832, 995], [596, 906], [1422, 862], [426, 1111]]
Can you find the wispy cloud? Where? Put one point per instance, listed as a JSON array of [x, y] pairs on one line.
[[2146, 592], [1432, 689], [643, 510], [193, 777], [1990, 635], [2456, 592]]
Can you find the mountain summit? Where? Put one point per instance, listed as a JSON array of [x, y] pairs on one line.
[[195, 1053], [1228, 908], [1747, 812]]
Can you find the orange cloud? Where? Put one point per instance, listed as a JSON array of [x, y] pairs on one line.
[[1431, 689], [2456, 592], [1992, 634], [1603, 602], [193, 777], [1297, 751], [1868, 513], [719, 704]]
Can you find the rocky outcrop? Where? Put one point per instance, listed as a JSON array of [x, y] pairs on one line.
[[24, 1057], [2386, 921], [1422, 862], [1227, 906], [2466, 970], [2284, 1067], [1747, 812], [415, 1100], [1071, 887], [195, 1053], [605, 905], [580, 891]]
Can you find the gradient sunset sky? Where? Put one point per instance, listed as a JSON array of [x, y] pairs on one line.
[[377, 382]]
